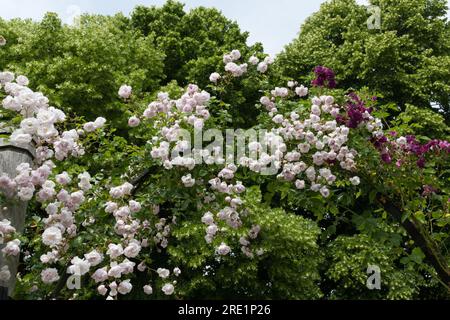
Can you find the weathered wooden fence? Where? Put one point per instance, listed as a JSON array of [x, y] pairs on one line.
[[12, 209]]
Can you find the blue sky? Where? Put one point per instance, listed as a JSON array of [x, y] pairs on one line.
[[273, 22]]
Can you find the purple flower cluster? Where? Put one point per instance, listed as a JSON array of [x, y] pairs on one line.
[[324, 77], [439, 144], [412, 146], [356, 110], [420, 150], [380, 144]]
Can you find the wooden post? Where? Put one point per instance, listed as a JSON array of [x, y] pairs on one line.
[[11, 155]]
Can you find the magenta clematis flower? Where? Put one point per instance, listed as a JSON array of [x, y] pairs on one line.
[[324, 77]]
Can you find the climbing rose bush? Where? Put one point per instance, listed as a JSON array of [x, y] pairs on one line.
[[177, 214]]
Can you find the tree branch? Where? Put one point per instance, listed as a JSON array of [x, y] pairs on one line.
[[62, 282], [420, 236], [139, 180]]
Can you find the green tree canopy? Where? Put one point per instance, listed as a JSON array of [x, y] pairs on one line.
[[407, 61], [193, 42], [81, 67]]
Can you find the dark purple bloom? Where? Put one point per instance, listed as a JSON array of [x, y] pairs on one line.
[[340, 119], [421, 162], [379, 142], [386, 158], [356, 110], [325, 77], [414, 146], [331, 83]]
